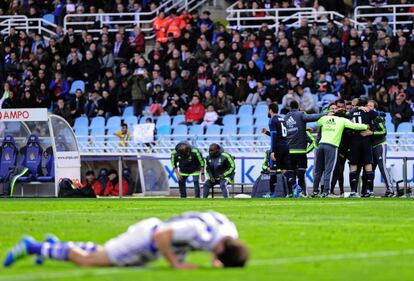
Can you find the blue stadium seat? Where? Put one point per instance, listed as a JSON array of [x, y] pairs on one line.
[[8, 156], [48, 17], [196, 131], [163, 120], [405, 127], [261, 110], [246, 130], [81, 122], [245, 109], [164, 131], [143, 119], [180, 133], [128, 111], [230, 120], [113, 121], [389, 126], [82, 131], [177, 120], [245, 120], [97, 134], [262, 122], [97, 122], [78, 84], [31, 158], [131, 121], [213, 132], [229, 130]]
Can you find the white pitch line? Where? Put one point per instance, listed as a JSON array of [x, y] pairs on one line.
[[310, 259], [257, 262]]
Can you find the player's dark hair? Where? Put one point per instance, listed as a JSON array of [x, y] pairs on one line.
[[235, 253], [274, 107], [294, 105], [362, 102]]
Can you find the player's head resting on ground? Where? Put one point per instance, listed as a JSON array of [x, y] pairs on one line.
[[231, 252], [273, 109], [294, 105]]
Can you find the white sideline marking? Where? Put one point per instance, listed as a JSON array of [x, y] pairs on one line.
[[256, 262], [295, 203], [310, 259]]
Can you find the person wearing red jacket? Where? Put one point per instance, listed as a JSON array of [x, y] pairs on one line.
[[93, 182], [160, 26], [138, 41], [195, 112], [176, 24], [112, 187]]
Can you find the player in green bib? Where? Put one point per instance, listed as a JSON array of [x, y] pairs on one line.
[[331, 128]]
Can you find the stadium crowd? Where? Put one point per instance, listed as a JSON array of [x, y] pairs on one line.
[[199, 68]]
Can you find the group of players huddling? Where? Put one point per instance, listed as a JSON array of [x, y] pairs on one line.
[[353, 131]]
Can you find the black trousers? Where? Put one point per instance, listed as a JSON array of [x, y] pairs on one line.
[[183, 187]]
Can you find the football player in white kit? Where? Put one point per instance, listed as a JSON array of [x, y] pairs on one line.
[[146, 241]]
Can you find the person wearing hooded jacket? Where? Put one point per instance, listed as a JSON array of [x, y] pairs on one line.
[[220, 169], [187, 161], [112, 186]]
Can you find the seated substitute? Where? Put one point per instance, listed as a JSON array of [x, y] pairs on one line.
[[220, 170], [187, 161], [93, 183], [146, 241]]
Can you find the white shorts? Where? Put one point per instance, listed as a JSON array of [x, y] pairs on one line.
[[133, 247]]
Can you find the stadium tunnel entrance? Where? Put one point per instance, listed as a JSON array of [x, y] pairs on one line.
[[37, 150]]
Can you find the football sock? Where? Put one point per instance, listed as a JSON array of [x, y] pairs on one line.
[[57, 251], [290, 177], [300, 173], [369, 181], [353, 180]]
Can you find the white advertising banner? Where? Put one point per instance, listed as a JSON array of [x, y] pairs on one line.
[[23, 114], [67, 165], [144, 133]]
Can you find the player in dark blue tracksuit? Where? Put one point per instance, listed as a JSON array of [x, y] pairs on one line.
[[297, 138], [279, 146]]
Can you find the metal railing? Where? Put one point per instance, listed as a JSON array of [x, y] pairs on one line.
[[93, 23], [396, 18], [242, 18], [37, 25], [249, 143]]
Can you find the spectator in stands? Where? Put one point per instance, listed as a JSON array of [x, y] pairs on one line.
[[223, 105], [137, 41], [93, 183], [77, 104], [112, 187], [59, 87], [307, 102], [138, 82], [195, 112], [124, 136], [210, 117], [11, 101], [63, 110], [400, 110]]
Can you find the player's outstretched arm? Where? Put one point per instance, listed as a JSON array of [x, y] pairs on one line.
[[163, 240]]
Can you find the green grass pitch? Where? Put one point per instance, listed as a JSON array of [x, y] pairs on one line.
[[333, 239]]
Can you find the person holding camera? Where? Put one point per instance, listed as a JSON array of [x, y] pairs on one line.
[[138, 82]]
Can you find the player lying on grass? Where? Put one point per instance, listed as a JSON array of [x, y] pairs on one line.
[[146, 241]]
